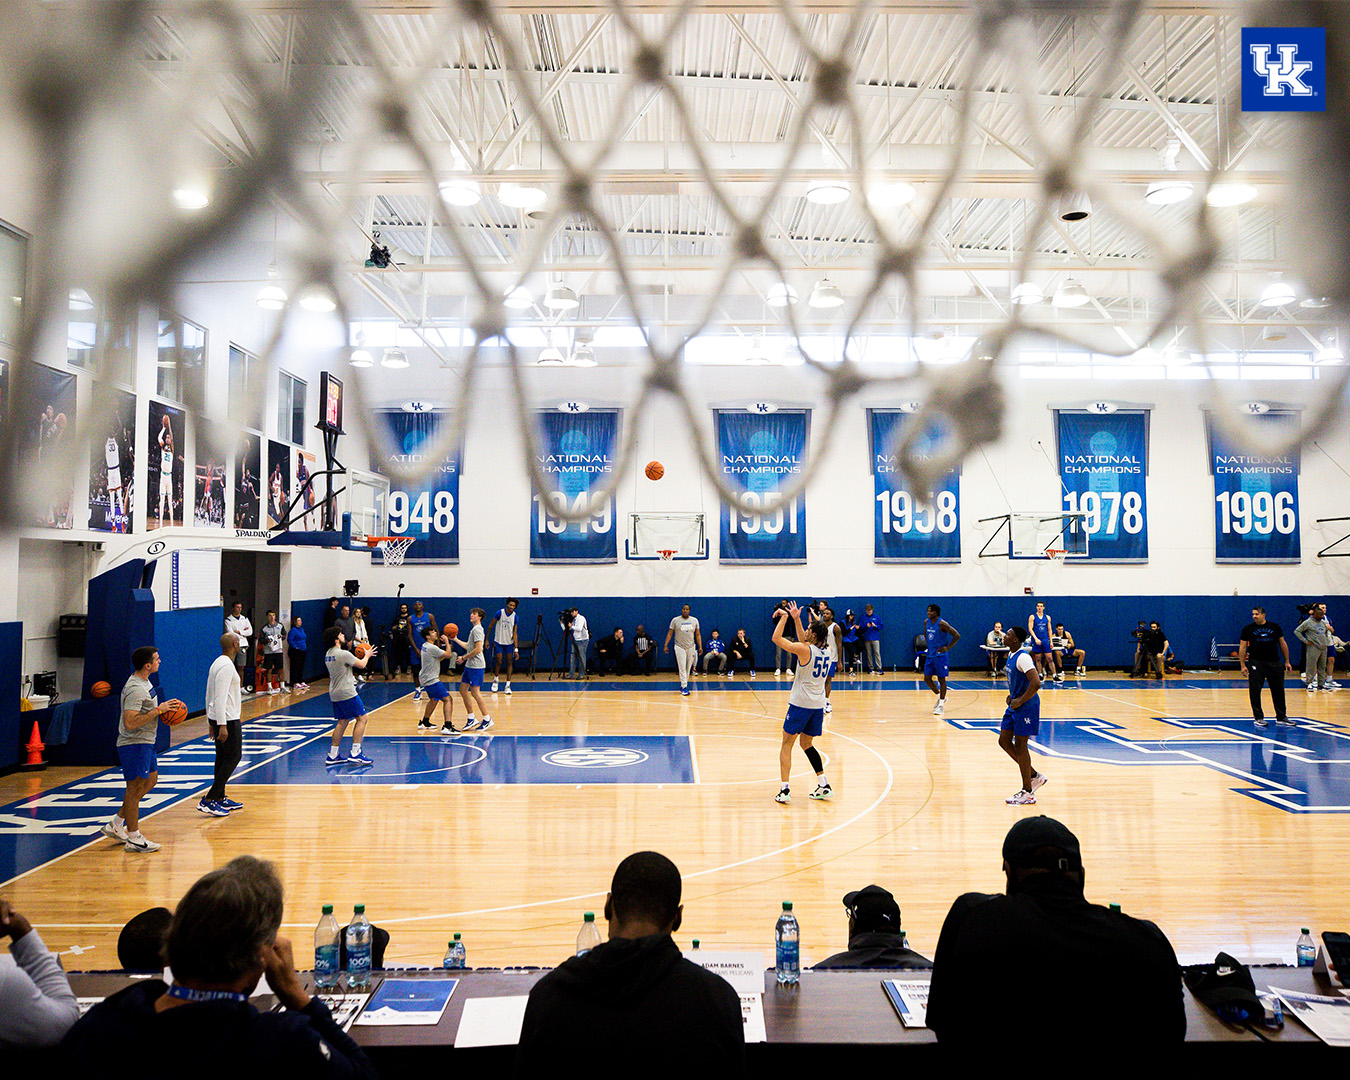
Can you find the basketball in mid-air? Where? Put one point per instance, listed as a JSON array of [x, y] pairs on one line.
[[101, 689], [361, 649], [175, 713], [655, 470], [165, 419], [451, 630]]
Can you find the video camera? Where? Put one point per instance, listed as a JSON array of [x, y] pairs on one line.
[[1140, 631], [565, 616]]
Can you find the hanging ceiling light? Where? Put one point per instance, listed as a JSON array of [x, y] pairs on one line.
[[1027, 292], [1276, 294], [317, 298], [758, 354], [826, 192], [1316, 303], [826, 294], [1230, 193], [781, 294], [550, 354], [80, 300], [394, 358], [583, 355], [1071, 294], [461, 191], [561, 298], [518, 298], [1075, 207], [1330, 350], [272, 297], [191, 196], [523, 196], [891, 194], [1169, 189], [361, 358]]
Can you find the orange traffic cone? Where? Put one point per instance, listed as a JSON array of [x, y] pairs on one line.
[[34, 747]]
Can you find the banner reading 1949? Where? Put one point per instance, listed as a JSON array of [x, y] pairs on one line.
[[577, 458], [912, 526]]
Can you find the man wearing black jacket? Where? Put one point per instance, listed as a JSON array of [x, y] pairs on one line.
[[875, 939], [1040, 962], [633, 1006], [223, 938]]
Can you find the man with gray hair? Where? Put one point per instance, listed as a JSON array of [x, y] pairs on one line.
[[223, 708], [223, 938], [1315, 633]]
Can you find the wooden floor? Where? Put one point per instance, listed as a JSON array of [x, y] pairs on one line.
[[919, 809]]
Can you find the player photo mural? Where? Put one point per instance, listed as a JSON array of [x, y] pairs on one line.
[[209, 492], [47, 422], [112, 462], [278, 489], [247, 482], [164, 469], [305, 511]]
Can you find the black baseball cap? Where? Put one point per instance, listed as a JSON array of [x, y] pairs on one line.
[[1025, 846], [873, 908], [1225, 985]]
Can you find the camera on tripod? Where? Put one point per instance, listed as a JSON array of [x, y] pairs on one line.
[[1140, 631]]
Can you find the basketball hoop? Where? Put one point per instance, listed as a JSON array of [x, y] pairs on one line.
[[392, 547], [666, 554], [1056, 555]]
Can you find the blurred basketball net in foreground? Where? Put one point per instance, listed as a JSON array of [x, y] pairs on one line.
[[112, 103]]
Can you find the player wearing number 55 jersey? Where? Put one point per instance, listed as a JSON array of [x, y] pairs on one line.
[[806, 704]]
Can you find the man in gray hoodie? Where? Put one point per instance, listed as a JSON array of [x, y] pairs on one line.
[[633, 1006], [1315, 633]]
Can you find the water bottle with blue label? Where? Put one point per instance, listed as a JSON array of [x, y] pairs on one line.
[[1306, 949], [326, 938], [358, 949], [787, 955], [455, 955]]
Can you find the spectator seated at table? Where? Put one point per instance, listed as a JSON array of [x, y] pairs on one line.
[[609, 652], [223, 938], [633, 1006], [642, 660], [1099, 979], [875, 939], [37, 1006], [995, 650]]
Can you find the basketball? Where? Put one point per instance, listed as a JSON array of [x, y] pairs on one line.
[[655, 470], [175, 712], [451, 629], [1233, 654], [101, 689], [361, 649]]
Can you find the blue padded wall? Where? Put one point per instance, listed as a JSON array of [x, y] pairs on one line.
[[12, 733], [189, 642]]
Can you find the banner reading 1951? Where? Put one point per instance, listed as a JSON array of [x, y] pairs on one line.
[[1255, 497], [1103, 472], [428, 509], [762, 452], [912, 526], [577, 458]]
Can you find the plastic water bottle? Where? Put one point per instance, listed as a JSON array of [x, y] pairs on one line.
[[455, 956], [326, 938], [589, 937], [1306, 949], [695, 949], [786, 952], [358, 949]]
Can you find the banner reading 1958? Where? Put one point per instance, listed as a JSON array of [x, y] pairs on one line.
[[912, 526], [429, 509], [762, 453], [1103, 469], [577, 458], [1255, 497]]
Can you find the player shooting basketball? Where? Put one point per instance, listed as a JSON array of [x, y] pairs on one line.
[[805, 718]]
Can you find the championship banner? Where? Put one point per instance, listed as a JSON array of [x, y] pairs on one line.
[[112, 464], [912, 526], [577, 456], [1103, 473], [428, 509], [762, 452], [1255, 498]]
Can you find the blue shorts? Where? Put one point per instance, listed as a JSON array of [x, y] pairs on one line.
[[437, 691], [803, 721], [472, 676], [138, 760], [503, 650], [348, 709], [1025, 721], [834, 666], [937, 664]]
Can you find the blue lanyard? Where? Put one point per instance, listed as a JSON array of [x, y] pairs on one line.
[[186, 993]]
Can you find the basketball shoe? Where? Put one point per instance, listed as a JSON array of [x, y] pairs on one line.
[[1022, 798]]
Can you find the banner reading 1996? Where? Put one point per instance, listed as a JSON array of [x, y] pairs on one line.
[[577, 458], [761, 453], [1255, 498], [912, 526], [1103, 469], [427, 509]]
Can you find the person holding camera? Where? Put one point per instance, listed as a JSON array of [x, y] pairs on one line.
[[789, 634], [577, 634]]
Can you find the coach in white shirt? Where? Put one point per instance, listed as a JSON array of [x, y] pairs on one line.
[[237, 624], [222, 713]]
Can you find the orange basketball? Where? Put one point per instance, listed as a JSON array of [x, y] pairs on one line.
[[655, 470], [1233, 654], [361, 649], [451, 629], [175, 713], [101, 688]]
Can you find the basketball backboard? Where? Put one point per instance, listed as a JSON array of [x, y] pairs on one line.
[[666, 535]]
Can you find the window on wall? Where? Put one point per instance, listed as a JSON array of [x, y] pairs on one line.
[[181, 374], [98, 341], [291, 408], [13, 274], [245, 407]]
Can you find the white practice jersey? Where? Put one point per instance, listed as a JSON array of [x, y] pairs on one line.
[[832, 644], [808, 684], [505, 631]]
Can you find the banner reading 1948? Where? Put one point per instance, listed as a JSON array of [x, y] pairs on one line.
[[912, 526], [761, 453], [1255, 497], [577, 458]]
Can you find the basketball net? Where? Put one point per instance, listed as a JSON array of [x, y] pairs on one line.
[[666, 554], [105, 221], [1056, 555], [393, 548]]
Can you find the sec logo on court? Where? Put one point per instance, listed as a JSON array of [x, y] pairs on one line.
[[595, 757]]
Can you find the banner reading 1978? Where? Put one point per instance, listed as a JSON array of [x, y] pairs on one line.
[[1255, 497], [577, 458], [912, 526], [1103, 470], [761, 453]]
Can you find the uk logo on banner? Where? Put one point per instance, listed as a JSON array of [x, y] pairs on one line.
[[1284, 70]]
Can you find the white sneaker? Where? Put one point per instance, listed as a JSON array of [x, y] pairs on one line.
[[1312, 688], [271, 691], [508, 689], [823, 791], [939, 708], [777, 674], [115, 830], [1333, 684], [783, 796], [494, 687], [1022, 798], [1059, 676], [752, 673], [1038, 781], [1080, 672], [137, 842], [829, 707]]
